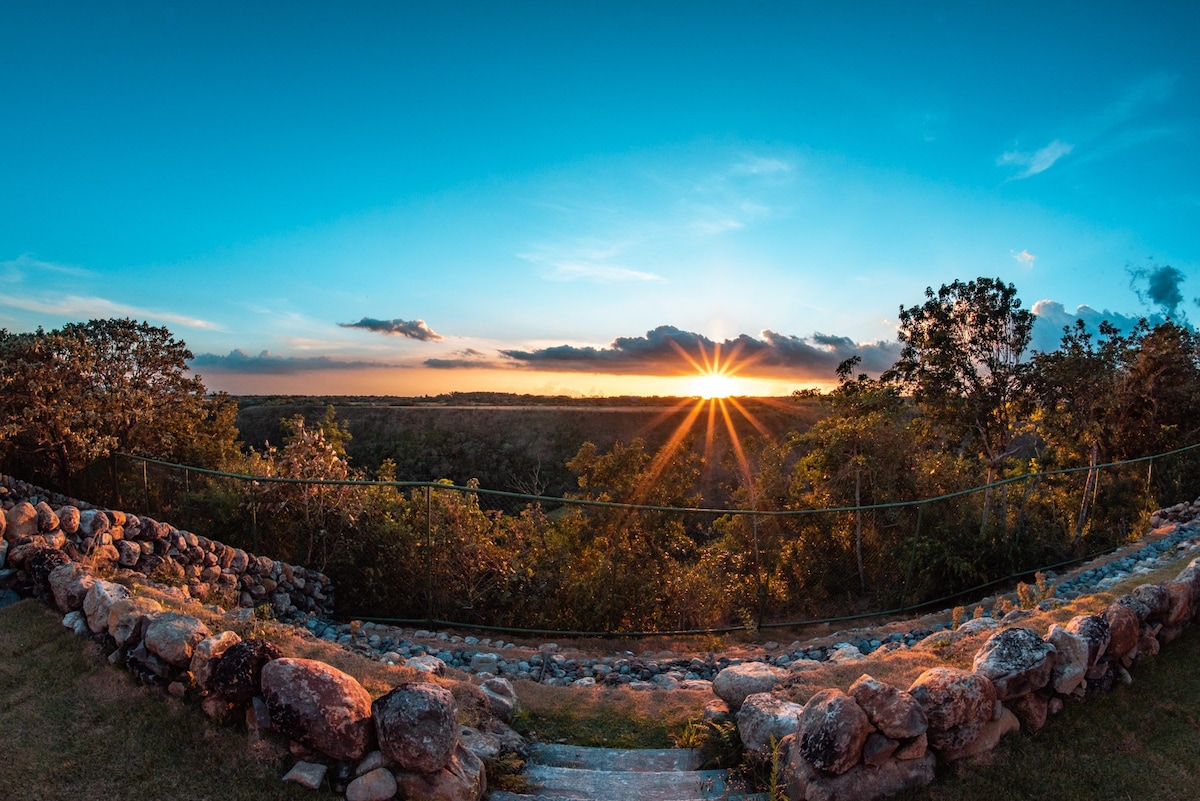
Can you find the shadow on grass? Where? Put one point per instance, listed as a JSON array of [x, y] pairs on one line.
[[77, 728]]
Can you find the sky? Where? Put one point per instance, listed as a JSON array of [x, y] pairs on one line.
[[587, 198]]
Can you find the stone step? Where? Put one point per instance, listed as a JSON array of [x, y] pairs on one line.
[[580, 784], [626, 759]]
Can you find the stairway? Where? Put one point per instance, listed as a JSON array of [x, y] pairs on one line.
[[572, 773]]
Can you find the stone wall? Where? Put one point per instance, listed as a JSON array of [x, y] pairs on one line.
[[872, 740], [201, 568], [405, 744]]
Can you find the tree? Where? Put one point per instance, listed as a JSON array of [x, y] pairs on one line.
[[962, 364], [76, 394]]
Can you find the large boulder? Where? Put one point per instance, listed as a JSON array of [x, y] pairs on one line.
[[172, 637], [833, 730], [40, 563], [765, 717], [68, 519], [894, 712], [1156, 599], [318, 706], [860, 783], [1180, 598], [1070, 660], [1095, 631], [957, 704], [501, 697], [1124, 630], [1017, 661], [22, 521], [70, 584], [207, 655], [417, 726], [46, 517], [733, 684], [237, 674], [462, 779], [128, 617], [988, 737], [98, 601]]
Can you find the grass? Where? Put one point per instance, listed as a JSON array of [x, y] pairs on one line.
[[610, 717], [1137, 742], [76, 728]]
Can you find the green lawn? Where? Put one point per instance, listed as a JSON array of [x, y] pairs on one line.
[[1139, 743]]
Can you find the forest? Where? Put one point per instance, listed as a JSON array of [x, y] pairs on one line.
[[970, 461]]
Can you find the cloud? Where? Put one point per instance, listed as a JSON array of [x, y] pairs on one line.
[[467, 357], [414, 329], [90, 308], [1036, 162], [238, 361], [667, 350], [16, 269], [597, 273], [1159, 285], [1051, 317], [761, 165], [1025, 257]]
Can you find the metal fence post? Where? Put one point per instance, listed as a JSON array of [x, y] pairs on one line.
[[146, 487], [254, 515], [429, 555], [912, 558]]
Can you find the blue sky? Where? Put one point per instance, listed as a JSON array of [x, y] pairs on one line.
[[412, 198]]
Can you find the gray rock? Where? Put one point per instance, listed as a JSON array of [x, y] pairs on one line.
[[319, 706], [765, 717], [417, 726], [1017, 661], [172, 637]]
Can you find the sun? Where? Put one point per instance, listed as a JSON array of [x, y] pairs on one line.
[[713, 385]]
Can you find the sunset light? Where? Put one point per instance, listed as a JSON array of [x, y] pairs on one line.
[[714, 385]]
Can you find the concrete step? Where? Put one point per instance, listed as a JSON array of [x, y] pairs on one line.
[[578, 784], [627, 759]]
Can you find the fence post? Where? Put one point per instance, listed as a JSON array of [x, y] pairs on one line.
[[145, 487], [254, 515], [187, 496], [912, 558], [429, 555]]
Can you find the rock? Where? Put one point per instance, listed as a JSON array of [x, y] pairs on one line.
[[978, 624], [40, 562], [127, 619], [98, 601], [988, 738], [207, 655], [307, 774], [1179, 604], [734, 683], [501, 697], [417, 726], [1070, 660], [373, 760], [861, 783], [1139, 609], [482, 744], [22, 521], [833, 729], [47, 520], [236, 676], [1156, 599], [172, 637], [70, 584], [878, 749], [318, 706], [463, 779], [1095, 631], [957, 705], [427, 663], [894, 712], [484, 663], [914, 748], [68, 519], [92, 522], [128, 553], [1017, 661], [146, 667], [374, 785], [765, 717], [1031, 710], [1124, 630]]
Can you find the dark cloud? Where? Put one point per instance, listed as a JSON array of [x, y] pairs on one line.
[[669, 350], [1051, 317], [238, 361], [413, 329], [467, 357], [1159, 285]]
